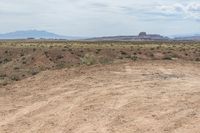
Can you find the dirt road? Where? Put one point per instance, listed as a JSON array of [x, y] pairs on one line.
[[140, 97]]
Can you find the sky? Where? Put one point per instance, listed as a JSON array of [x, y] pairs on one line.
[[101, 17]]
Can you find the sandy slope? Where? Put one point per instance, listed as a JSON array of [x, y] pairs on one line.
[[158, 96]]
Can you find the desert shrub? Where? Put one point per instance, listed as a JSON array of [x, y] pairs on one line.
[[97, 51], [4, 82], [134, 57], [151, 55], [88, 59], [105, 60], [158, 47], [61, 64], [45, 53], [167, 58], [23, 62], [63, 50], [34, 72], [6, 60], [197, 59], [2, 75], [123, 53], [59, 57], [23, 58], [174, 55], [79, 55], [22, 54], [16, 68], [34, 49], [151, 48], [15, 78]]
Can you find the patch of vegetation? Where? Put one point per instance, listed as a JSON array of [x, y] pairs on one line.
[[59, 57], [24, 62], [16, 67], [34, 72], [6, 60], [134, 57], [2, 75], [15, 78], [123, 53], [63, 54], [167, 58], [105, 60], [4, 82], [197, 59], [89, 59], [98, 51], [61, 65], [22, 54], [151, 55]]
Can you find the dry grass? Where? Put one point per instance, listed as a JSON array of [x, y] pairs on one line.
[[21, 59]]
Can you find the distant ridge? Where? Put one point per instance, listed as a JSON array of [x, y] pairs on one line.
[[34, 34], [189, 38], [37, 34], [143, 36]]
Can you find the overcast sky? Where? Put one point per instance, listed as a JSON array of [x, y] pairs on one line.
[[101, 17]]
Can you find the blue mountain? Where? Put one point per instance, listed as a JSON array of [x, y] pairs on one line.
[[194, 37], [37, 34]]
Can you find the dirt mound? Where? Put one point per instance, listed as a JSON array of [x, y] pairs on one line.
[[142, 96], [22, 59]]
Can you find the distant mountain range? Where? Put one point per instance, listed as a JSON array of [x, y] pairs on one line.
[[195, 37], [34, 34], [143, 36]]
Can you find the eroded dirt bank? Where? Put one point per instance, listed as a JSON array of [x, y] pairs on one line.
[[141, 96]]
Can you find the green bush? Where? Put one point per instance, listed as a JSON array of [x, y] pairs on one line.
[[134, 57], [88, 59]]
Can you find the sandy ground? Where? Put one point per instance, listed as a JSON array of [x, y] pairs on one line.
[[140, 97]]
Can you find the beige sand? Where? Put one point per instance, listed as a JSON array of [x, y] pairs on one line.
[[140, 97]]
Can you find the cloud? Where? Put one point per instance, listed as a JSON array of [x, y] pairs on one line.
[[194, 7], [184, 11], [99, 17], [193, 10]]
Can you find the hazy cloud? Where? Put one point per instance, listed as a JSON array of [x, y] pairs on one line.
[[186, 11], [100, 17]]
